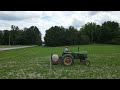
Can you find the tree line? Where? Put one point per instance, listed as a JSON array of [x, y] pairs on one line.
[[107, 33], [16, 36]]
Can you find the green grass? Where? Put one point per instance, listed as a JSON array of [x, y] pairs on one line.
[[33, 63]]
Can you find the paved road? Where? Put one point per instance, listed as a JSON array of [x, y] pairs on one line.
[[2, 49]]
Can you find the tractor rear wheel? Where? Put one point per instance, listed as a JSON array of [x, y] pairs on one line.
[[67, 59]]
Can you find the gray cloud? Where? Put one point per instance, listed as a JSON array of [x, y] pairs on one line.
[[10, 17], [91, 13], [4, 24], [16, 15], [77, 23], [68, 13], [45, 19], [107, 16]]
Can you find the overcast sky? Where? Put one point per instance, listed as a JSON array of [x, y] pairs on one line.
[[45, 19]]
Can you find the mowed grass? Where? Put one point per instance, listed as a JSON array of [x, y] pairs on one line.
[[33, 63]]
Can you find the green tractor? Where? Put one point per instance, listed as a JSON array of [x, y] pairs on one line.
[[69, 57]]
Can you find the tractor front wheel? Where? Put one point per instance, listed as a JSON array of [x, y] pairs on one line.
[[87, 62]]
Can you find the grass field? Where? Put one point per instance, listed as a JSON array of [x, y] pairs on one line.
[[33, 63]]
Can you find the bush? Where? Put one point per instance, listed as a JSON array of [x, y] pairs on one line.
[[84, 40], [115, 41]]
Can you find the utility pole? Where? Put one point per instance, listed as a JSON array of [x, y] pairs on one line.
[[9, 37]]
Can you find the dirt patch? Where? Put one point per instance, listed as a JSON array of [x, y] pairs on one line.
[[2, 49]]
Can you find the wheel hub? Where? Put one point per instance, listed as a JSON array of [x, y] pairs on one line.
[[67, 61]]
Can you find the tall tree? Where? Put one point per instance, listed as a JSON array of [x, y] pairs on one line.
[[14, 35], [32, 35], [82, 39], [90, 29], [1, 37], [6, 37], [71, 36], [109, 30], [55, 36]]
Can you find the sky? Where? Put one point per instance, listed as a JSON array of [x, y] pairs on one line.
[[46, 19]]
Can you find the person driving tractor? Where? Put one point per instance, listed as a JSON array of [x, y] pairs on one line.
[[66, 50]]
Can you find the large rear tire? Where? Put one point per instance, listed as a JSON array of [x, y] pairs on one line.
[[67, 59]]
